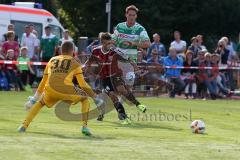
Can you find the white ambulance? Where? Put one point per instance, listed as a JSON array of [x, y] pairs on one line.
[[23, 13]]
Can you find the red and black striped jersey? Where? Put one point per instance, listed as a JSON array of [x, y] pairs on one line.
[[107, 62]]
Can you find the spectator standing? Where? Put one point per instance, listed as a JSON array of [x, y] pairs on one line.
[[178, 44], [37, 45], [29, 40], [10, 29], [66, 37], [10, 44], [48, 45], [157, 45], [32, 27]]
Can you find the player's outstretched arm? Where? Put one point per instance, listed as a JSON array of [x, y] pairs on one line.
[[84, 85]]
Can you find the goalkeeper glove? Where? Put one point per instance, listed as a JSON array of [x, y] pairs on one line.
[[31, 101]]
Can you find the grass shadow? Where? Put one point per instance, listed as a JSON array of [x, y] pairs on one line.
[[80, 137], [143, 126]]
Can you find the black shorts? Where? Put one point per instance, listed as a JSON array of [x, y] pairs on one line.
[[110, 84]]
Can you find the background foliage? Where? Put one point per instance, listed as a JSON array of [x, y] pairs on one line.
[[212, 18]]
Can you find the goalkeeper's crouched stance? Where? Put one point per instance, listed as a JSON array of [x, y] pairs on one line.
[[57, 85]]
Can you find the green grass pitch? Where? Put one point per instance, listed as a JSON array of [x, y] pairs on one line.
[[163, 133]]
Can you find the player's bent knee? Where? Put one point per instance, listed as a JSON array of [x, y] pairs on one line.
[[113, 97], [122, 90]]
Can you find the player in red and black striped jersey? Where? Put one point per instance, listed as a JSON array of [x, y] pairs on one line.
[[111, 76]]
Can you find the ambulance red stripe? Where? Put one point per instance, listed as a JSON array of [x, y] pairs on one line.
[[24, 10]]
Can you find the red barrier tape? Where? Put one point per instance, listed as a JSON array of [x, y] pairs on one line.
[[224, 67]]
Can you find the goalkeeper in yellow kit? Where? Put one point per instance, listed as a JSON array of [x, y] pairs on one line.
[[57, 85]]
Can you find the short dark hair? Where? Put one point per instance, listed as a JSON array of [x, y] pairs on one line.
[[105, 36], [132, 7], [67, 47], [177, 32], [9, 34], [27, 26], [10, 25], [47, 27]]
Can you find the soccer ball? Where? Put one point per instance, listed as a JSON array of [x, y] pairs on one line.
[[198, 127]]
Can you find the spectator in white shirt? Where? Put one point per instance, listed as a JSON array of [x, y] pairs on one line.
[[32, 27], [179, 45], [66, 37], [30, 41], [37, 44]]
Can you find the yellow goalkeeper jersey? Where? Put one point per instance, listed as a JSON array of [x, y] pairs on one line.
[[59, 74]]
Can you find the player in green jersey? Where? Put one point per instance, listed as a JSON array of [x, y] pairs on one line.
[[130, 35]]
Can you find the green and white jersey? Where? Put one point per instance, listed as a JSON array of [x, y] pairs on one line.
[[136, 33]]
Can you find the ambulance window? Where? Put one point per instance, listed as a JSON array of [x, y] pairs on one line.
[[19, 27], [56, 31]]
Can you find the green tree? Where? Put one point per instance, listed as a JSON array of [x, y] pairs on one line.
[[211, 18]]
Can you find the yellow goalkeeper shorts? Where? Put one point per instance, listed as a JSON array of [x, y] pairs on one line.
[[50, 97]]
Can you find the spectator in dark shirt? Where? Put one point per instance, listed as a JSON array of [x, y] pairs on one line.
[[194, 47], [157, 45], [189, 76], [210, 76], [155, 58], [200, 75], [11, 29], [222, 51]]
